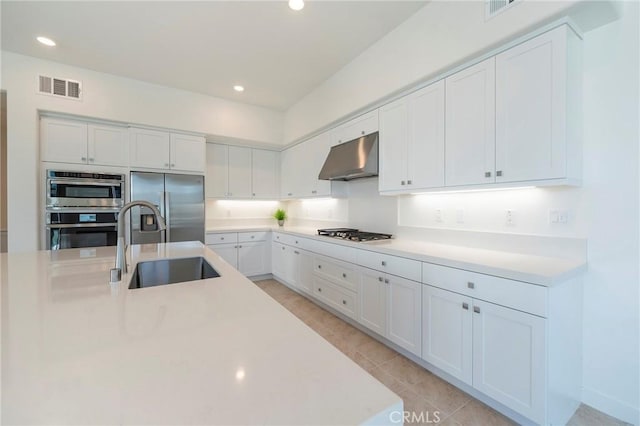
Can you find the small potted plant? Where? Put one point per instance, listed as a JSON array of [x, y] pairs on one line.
[[280, 215]]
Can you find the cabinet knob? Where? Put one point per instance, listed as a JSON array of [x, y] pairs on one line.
[[401, 182], [362, 132], [230, 194], [296, 252], [408, 182], [380, 279], [253, 236], [386, 281], [487, 174], [314, 192], [471, 285], [319, 290], [498, 172], [173, 164], [84, 158], [239, 246], [319, 266], [289, 194], [476, 309], [91, 160], [465, 306], [166, 164], [282, 248], [344, 275], [221, 238], [344, 302], [253, 194], [384, 263]]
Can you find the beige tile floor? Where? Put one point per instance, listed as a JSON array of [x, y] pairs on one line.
[[422, 391]]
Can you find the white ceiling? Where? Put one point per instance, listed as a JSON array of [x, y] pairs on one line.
[[206, 46]]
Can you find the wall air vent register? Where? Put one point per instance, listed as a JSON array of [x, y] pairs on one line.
[[65, 88]]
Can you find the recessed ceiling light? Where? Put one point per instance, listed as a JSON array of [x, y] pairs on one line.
[[238, 88], [296, 4], [46, 41]]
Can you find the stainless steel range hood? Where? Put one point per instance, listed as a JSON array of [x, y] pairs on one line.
[[352, 160]]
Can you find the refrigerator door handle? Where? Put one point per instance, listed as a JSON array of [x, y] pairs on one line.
[[167, 215]]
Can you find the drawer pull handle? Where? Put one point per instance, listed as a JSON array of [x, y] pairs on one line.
[[253, 236], [471, 285], [344, 302], [221, 238], [384, 263], [344, 275], [296, 252], [282, 248], [476, 309], [465, 306]]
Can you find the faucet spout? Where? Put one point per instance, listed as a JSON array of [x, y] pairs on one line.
[[121, 262]]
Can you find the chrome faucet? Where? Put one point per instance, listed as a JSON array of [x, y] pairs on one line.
[[121, 261]]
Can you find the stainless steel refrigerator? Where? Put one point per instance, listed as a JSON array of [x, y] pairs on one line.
[[180, 199]]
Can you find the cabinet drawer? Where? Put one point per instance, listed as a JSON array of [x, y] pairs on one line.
[[221, 238], [513, 294], [400, 266], [290, 240], [338, 272], [336, 251], [335, 296], [248, 237]]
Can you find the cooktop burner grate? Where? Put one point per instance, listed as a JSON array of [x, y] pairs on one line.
[[352, 234]]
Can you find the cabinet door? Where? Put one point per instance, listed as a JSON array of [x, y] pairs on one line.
[[108, 145], [277, 260], [217, 170], [393, 145], [470, 125], [187, 153], [292, 172], [290, 266], [404, 301], [315, 152], [228, 252], [286, 173], [425, 146], [373, 302], [509, 350], [239, 172], [531, 87], [149, 149], [359, 126], [63, 141], [305, 271], [447, 331], [265, 172], [252, 259]]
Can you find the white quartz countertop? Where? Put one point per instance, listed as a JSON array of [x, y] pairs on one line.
[[77, 350], [540, 270]]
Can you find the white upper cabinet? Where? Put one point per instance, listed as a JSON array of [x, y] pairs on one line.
[[300, 167], [241, 172], [470, 125], [150, 148], [107, 145], [239, 163], [412, 141], [265, 171], [78, 142], [532, 108], [359, 126], [187, 153]]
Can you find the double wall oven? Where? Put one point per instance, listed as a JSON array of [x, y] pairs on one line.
[[82, 208]]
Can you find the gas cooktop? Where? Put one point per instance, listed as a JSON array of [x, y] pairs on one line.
[[352, 234]]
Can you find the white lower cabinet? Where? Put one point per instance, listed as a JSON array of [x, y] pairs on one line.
[[248, 252], [391, 306], [509, 358], [305, 271]]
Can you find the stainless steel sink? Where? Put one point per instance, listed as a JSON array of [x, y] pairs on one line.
[[170, 271]]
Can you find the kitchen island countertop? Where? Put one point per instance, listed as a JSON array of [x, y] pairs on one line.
[[77, 350]]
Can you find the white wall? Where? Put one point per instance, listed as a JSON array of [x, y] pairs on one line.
[[604, 210], [108, 97]]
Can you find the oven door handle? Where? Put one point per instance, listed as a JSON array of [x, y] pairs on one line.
[[86, 183], [81, 225]]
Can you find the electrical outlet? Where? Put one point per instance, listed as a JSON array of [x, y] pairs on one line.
[[558, 216], [510, 217], [439, 215], [460, 216]]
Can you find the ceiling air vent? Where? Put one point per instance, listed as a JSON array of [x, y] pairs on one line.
[[71, 89], [493, 7]]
